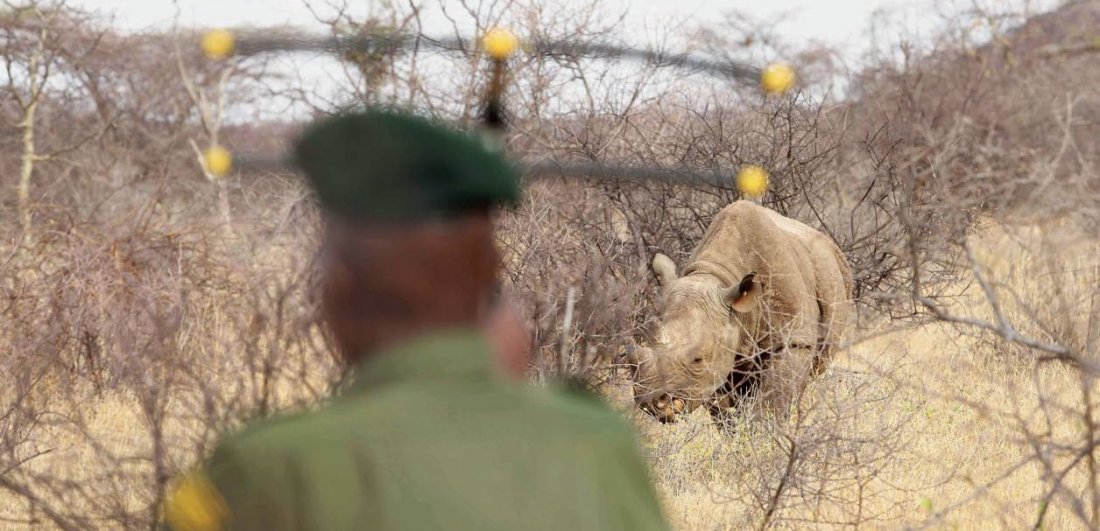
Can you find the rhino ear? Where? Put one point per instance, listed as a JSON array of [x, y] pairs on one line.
[[664, 268], [742, 297]]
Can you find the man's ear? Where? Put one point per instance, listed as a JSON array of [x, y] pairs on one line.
[[742, 297], [664, 268]]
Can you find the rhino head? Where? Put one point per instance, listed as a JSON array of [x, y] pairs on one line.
[[694, 345]]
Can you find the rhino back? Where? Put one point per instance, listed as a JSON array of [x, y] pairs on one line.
[[797, 264]]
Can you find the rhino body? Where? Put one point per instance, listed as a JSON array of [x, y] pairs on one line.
[[759, 308]]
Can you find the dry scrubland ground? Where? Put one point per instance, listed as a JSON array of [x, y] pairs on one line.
[[907, 423]]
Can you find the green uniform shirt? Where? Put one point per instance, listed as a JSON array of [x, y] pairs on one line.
[[429, 437]]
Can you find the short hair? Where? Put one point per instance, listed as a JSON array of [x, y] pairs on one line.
[[384, 282]]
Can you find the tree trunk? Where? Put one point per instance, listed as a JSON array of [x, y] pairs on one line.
[[27, 168]]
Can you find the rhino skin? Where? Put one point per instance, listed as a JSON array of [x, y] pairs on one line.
[[759, 309]]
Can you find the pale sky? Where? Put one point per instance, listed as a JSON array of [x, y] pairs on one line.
[[840, 23]]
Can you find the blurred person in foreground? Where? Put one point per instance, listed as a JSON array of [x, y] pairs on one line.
[[437, 429]]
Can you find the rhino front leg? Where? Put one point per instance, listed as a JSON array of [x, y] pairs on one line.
[[725, 418], [730, 401]]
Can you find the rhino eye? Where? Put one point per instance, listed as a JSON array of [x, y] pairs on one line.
[[697, 360]]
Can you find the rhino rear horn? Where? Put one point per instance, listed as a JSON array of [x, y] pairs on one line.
[[742, 297]]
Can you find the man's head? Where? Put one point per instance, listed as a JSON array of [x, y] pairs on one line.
[[384, 283], [409, 243]]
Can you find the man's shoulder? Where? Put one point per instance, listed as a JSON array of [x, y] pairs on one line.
[[581, 409], [565, 410], [285, 434]]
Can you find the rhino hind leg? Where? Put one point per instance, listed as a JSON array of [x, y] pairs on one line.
[[835, 308]]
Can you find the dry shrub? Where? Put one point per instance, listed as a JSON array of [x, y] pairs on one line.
[[163, 327], [138, 329], [1031, 317], [560, 264]]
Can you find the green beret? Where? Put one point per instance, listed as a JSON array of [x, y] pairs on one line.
[[392, 167]]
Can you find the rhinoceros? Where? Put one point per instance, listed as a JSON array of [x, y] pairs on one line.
[[759, 308]]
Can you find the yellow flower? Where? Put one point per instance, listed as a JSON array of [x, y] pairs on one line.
[[194, 504]]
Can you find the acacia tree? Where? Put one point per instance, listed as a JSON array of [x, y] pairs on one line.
[[105, 304], [43, 45]]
